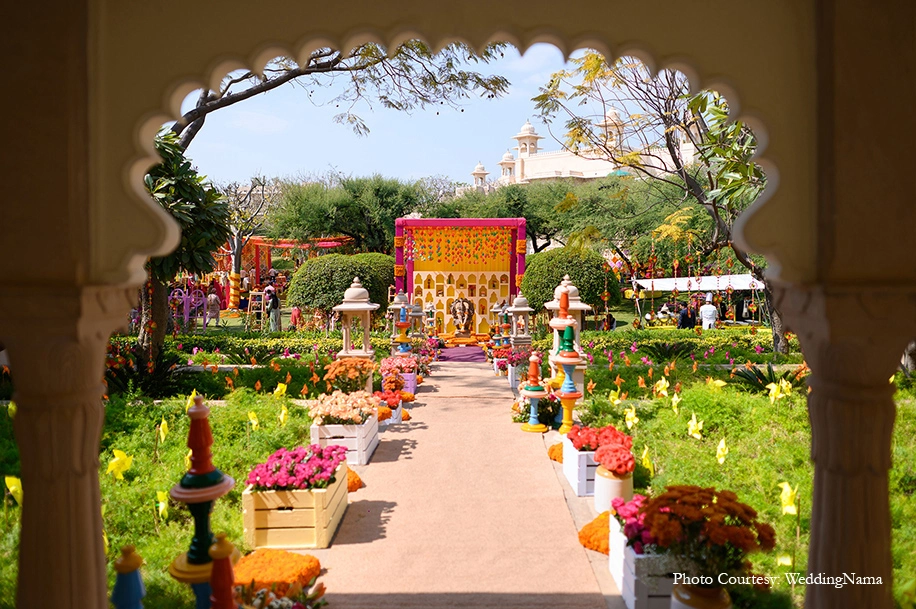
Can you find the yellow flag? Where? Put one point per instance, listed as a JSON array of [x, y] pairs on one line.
[[675, 400], [190, 401], [14, 484], [721, 451], [785, 386], [280, 391], [163, 430], [647, 461], [187, 459], [120, 464], [787, 498], [614, 397], [631, 418], [162, 502], [715, 383], [253, 419], [284, 415], [661, 387], [775, 392], [11, 410], [694, 427]]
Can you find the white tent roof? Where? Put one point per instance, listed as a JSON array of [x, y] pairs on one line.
[[707, 283]]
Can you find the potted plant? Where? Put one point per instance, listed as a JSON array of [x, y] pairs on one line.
[[642, 575], [614, 475], [349, 374], [347, 419], [296, 498], [579, 465], [516, 358], [710, 533], [391, 400], [404, 366]]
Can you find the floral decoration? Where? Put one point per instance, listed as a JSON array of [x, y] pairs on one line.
[[710, 529], [390, 398], [301, 468], [616, 458], [555, 452], [343, 408], [595, 535], [398, 365], [633, 522], [354, 482], [384, 413], [277, 573], [590, 438], [349, 374]]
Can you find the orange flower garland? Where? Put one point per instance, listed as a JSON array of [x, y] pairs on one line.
[[384, 413], [276, 569], [555, 452], [354, 482], [595, 534], [406, 396], [405, 416]]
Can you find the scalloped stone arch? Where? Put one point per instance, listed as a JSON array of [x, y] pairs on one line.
[[263, 53]]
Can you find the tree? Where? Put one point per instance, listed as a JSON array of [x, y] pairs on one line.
[[362, 208], [321, 282], [249, 207], [412, 78], [380, 277], [203, 216], [679, 144]]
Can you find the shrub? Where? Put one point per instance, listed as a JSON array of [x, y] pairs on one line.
[[379, 279], [545, 270], [320, 283]]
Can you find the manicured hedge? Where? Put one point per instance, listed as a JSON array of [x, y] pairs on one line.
[[724, 339], [381, 277], [585, 268], [320, 283]]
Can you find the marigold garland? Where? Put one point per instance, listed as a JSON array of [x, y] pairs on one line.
[[384, 413], [277, 569], [405, 416], [594, 535], [406, 396], [555, 452], [354, 482]]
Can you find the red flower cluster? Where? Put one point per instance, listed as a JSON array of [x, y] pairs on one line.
[[392, 398], [616, 458], [589, 438]]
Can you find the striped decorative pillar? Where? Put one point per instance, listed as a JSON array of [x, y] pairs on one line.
[[235, 281]]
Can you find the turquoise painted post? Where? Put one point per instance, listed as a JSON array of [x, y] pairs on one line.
[[533, 418]]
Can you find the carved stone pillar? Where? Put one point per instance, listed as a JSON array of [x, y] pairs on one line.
[[852, 341], [57, 359]]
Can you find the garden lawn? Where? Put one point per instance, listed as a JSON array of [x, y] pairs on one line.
[[768, 443], [131, 507]]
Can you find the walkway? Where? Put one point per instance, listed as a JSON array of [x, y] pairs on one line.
[[460, 509]]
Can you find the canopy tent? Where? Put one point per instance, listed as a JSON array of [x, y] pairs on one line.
[[706, 283]]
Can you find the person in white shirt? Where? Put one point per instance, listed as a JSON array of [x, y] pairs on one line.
[[709, 313]]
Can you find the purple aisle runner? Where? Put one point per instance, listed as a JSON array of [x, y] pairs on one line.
[[471, 353]]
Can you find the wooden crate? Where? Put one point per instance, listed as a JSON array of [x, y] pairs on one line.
[[360, 440], [579, 468], [295, 519], [644, 580]]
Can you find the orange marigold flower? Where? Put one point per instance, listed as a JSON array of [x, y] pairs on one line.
[[405, 416], [384, 413], [276, 569], [594, 535], [354, 482], [555, 452], [257, 385]]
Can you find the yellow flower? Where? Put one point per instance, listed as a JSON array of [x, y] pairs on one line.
[[163, 430], [784, 560], [721, 451], [120, 464], [631, 417], [661, 387], [187, 459], [190, 401], [280, 391], [253, 419], [11, 410], [614, 397], [162, 502], [284, 415], [787, 498], [647, 461], [14, 484], [785, 386], [715, 383], [675, 400], [695, 428]]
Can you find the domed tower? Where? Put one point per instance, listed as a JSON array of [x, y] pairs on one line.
[[612, 127], [480, 176], [527, 140], [508, 167]]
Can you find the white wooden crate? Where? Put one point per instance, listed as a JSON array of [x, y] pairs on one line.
[[395, 417], [579, 468], [360, 440], [643, 579]]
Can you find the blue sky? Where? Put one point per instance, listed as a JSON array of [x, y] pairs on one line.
[[282, 133]]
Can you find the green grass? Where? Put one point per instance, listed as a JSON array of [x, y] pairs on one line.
[[130, 514]]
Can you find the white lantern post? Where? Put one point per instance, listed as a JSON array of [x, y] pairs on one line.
[[356, 305]]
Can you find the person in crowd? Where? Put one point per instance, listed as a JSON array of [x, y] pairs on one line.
[[213, 306], [273, 310], [709, 313], [295, 318], [687, 318], [610, 322]]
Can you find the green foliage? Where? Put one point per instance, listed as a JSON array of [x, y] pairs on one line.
[[199, 209], [320, 283], [757, 380], [666, 352], [545, 271], [283, 264], [379, 279]]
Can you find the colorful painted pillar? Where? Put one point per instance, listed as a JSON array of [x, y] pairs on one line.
[[399, 270], [222, 579], [257, 265], [521, 248], [128, 590], [534, 391]]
